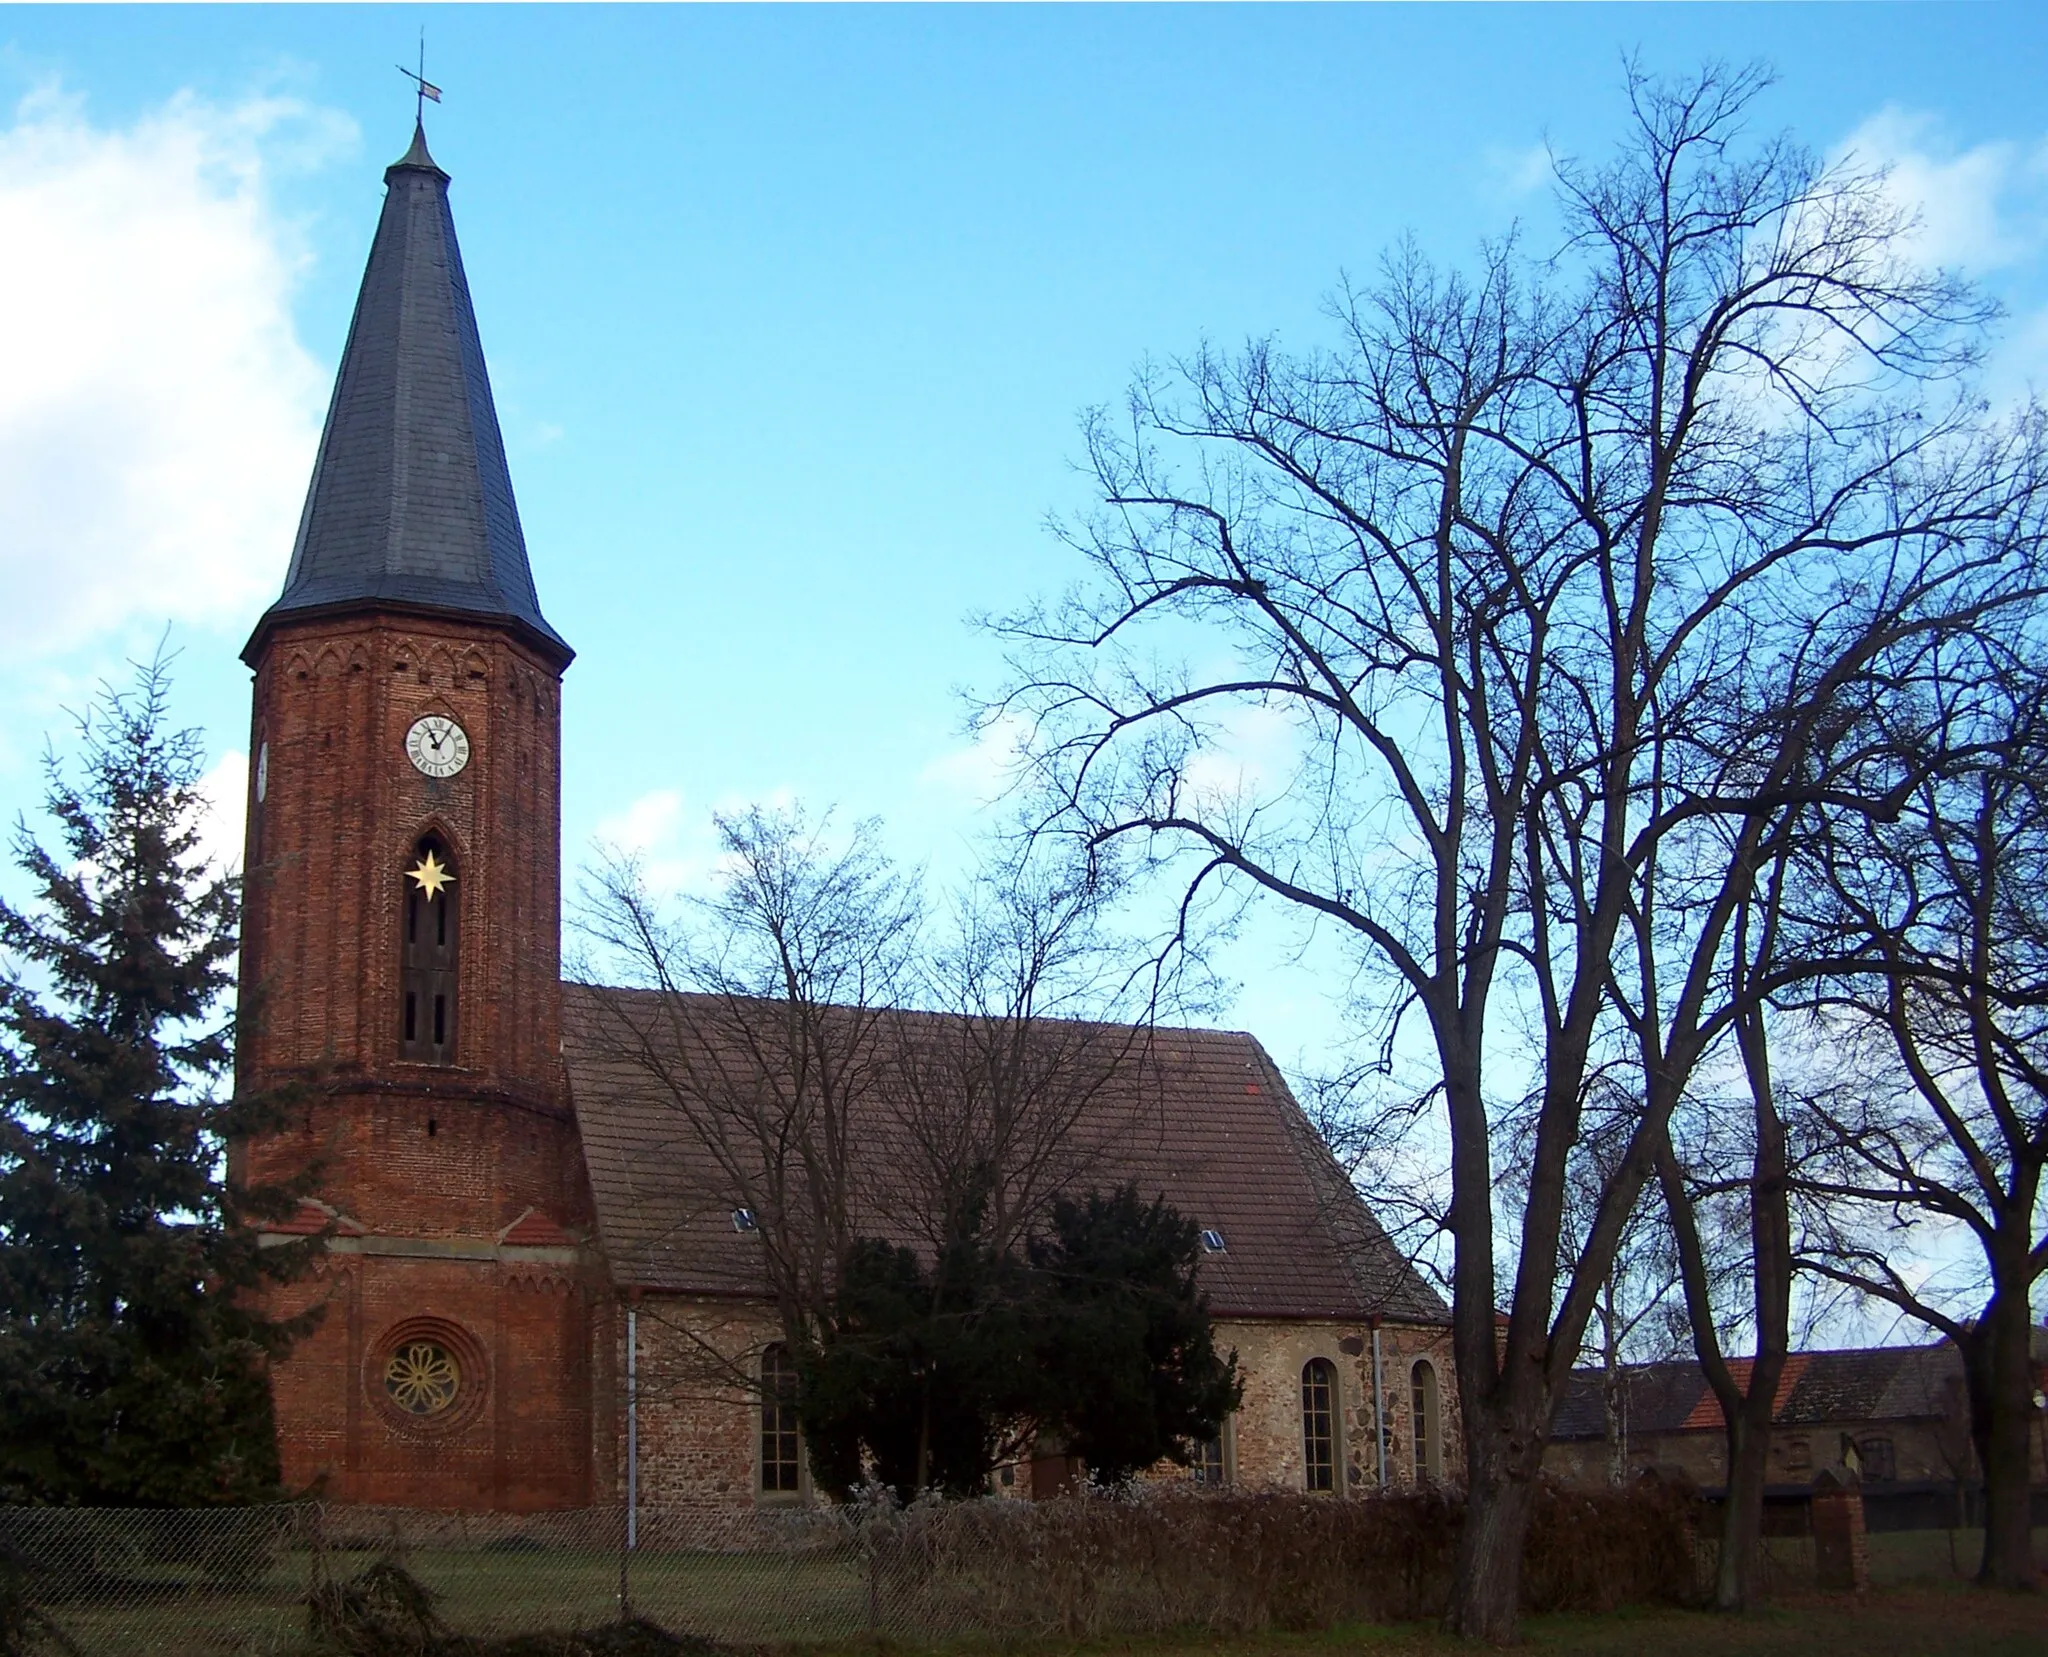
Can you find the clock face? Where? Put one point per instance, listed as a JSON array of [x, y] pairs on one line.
[[437, 746], [262, 772]]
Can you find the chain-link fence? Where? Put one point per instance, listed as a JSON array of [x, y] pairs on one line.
[[311, 1578]]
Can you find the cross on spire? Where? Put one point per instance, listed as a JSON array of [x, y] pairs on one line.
[[423, 88]]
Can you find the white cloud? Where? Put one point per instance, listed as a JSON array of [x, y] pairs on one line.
[[649, 821], [1982, 210], [225, 789], [1977, 209], [677, 846], [157, 411], [1517, 172], [1252, 749], [673, 853], [983, 770]]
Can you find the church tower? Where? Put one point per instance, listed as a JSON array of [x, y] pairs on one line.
[[401, 970]]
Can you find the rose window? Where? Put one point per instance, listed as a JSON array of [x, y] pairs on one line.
[[422, 1378]]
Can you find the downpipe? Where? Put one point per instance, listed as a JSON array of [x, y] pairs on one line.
[[1379, 1409], [632, 1426]]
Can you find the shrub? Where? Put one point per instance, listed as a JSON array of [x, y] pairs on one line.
[[1177, 1557]]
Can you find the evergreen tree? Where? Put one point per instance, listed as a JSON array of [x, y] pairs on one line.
[[133, 1363], [932, 1374], [925, 1370], [1126, 1362], [922, 1372]]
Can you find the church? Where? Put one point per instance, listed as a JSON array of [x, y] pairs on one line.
[[540, 1289]]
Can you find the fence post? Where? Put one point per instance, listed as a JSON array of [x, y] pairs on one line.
[[1840, 1553], [629, 1536], [874, 1581], [625, 1584]]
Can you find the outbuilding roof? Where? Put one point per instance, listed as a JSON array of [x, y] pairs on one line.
[[1871, 1383], [1201, 1117], [411, 501]]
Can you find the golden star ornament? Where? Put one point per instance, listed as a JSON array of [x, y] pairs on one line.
[[431, 874]]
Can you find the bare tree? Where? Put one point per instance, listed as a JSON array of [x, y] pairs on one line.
[[772, 1028], [1762, 1208], [1639, 1311], [1950, 905], [1012, 1095], [843, 1066], [1500, 562]]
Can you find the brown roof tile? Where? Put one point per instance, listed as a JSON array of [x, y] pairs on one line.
[[1200, 1116], [1872, 1383]]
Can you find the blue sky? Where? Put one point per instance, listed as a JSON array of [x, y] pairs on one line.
[[790, 313]]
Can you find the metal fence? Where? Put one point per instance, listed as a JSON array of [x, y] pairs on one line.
[[309, 1578]]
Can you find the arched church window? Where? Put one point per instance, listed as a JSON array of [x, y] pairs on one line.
[[1424, 1427], [781, 1454], [1319, 1424], [429, 933], [1211, 1462]]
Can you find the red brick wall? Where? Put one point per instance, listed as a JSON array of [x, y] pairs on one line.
[[329, 842], [428, 1163], [518, 1441]]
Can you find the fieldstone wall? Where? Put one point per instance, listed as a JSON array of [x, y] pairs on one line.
[[697, 1370], [699, 1409], [1266, 1433]]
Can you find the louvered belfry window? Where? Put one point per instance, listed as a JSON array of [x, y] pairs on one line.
[[1319, 1423], [429, 934]]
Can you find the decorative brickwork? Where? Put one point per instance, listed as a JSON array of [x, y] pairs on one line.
[[447, 1175], [341, 812]]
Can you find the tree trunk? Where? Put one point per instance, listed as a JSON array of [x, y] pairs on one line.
[[1610, 1386], [924, 1439], [2001, 1417], [1747, 1409], [1486, 1597], [1737, 1577]]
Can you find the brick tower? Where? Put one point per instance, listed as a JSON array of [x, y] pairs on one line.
[[401, 943]]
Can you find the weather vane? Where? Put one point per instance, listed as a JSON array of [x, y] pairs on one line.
[[422, 87]]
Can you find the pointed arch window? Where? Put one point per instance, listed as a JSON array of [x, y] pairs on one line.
[[429, 943], [1319, 1424], [781, 1449], [1425, 1425]]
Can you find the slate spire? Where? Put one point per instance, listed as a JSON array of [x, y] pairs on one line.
[[411, 503]]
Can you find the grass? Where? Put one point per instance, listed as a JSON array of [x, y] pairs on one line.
[[743, 1599], [1898, 1558], [1949, 1621], [818, 1604]]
